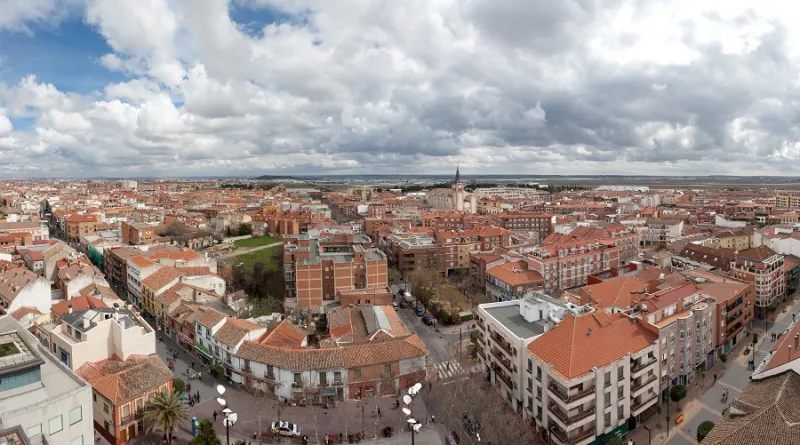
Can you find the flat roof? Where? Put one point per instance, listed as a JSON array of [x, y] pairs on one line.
[[510, 317]]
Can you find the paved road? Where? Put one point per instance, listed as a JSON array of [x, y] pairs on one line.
[[347, 417]]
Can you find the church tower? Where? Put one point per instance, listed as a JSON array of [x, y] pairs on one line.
[[458, 191]]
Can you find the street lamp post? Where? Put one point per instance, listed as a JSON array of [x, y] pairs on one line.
[[407, 399], [230, 416]]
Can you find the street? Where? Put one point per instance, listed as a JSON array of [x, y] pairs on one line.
[[348, 417], [704, 401]]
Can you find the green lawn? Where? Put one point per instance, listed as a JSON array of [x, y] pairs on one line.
[[265, 255], [255, 242]]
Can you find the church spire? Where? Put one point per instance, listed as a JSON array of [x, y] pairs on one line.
[[458, 176]]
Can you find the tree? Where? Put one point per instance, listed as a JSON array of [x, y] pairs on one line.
[[613, 440], [206, 434], [166, 409], [245, 229], [259, 399], [393, 275], [677, 393], [178, 386], [703, 429]]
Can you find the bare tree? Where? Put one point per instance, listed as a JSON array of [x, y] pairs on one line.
[[259, 398], [310, 390]]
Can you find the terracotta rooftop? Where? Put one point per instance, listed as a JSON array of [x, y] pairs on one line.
[[515, 273], [760, 253], [235, 330], [284, 335], [79, 303], [621, 293], [210, 318], [578, 344], [771, 414], [121, 381]]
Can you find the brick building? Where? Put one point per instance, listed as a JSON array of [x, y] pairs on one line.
[[136, 233], [77, 226], [763, 267]]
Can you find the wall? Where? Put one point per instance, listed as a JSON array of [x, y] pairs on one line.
[[209, 282], [35, 294]]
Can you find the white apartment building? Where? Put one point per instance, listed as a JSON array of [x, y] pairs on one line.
[[506, 329], [39, 396], [593, 375], [138, 269], [20, 287], [661, 231], [98, 334]]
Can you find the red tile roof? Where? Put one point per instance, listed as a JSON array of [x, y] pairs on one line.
[[122, 381]]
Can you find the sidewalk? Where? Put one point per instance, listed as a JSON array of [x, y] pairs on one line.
[[704, 401]]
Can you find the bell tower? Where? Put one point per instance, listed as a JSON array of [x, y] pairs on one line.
[[458, 191]]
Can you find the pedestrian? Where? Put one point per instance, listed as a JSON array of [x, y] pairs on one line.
[[214, 415], [715, 378], [189, 388], [379, 411], [198, 396], [192, 365]]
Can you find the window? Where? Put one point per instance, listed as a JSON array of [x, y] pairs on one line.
[[337, 376], [297, 377], [75, 416], [105, 407], [107, 426], [34, 431], [387, 369], [621, 412], [56, 425], [357, 373], [323, 378], [608, 378], [608, 419], [607, 398], [620, 392]]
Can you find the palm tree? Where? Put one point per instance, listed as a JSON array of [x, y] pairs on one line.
[[166, 409]]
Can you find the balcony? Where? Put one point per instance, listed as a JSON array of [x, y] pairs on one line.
[[640, 404], [502, 359], [504, 378], [131, 417], [564, 438], [636, 368], [570, 419], [502, 343], [568, 398], [637, 386], [269, 376]]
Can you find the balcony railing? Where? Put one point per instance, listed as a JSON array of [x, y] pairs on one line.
[[502, 343], [562, 436], [502, 359], [637, 386], [567, 398], [504, 378], [131, 417], [570, 419], [636, 405], [638, 367]]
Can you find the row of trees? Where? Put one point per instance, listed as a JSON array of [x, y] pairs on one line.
[[242, 230]]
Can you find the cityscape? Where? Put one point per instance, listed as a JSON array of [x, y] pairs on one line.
[[450, 222]]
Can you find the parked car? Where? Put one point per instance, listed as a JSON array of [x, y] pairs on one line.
[[395, 305], [420, 311], [287, 429], [426, 320]]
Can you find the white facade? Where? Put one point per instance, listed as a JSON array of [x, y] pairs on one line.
[[47, 400], [209, 282], [780, 244], [34, 294], [136, 275], [284, 380], [721, 221], [109, 337]]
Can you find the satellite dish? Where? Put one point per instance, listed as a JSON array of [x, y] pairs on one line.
[[407, 399], [406, 411], [227, 410], [232, 418], [411, 421], [417, 427], [221, 401], [220, 389]]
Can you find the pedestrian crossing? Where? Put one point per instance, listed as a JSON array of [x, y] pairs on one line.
[[452, 368]]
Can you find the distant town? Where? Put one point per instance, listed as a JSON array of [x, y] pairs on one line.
[[456, 310]]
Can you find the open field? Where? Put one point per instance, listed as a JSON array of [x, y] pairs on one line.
[[269, 256], [256, 241]]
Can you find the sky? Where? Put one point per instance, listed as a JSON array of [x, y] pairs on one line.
[[133, 88]]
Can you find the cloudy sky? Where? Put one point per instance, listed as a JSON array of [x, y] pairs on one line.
[[243, 87]]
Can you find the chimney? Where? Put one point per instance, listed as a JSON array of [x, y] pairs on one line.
[[86, 323], [69, 308], [116, 311], [590, 332], [796, 341]]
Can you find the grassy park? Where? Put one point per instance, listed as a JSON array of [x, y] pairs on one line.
[[255, 241]]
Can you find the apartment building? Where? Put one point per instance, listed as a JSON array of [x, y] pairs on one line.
[[763, 267], [160, 281], [317, 269], [120, 392], [506, 329], [93, 335], [787, 200], [459, 244], [569, 264], [37, 230], [40, 398], [407, 252], [20, 287], [77, 226], [137, 233], [138, 268], [592, 376], [115, 264], [736, 239], [512, 280], [734, 313], [661, 231], [683, 317], [542, 223]]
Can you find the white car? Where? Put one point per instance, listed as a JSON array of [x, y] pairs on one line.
[[288, 429]]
